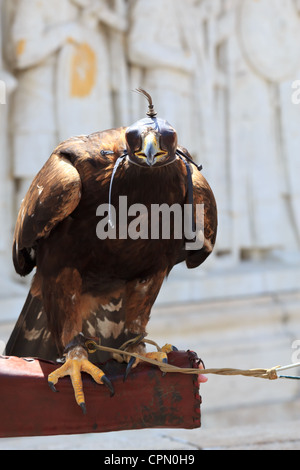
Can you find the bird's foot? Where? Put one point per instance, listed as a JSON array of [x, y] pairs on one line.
[[160, 356], [77, 362]]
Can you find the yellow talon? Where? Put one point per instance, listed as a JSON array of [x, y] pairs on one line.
[[159, 356], [168, 348], [76, 363]]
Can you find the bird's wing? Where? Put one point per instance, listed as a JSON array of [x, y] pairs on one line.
[[205, 218], [206, 221], [53, 195]]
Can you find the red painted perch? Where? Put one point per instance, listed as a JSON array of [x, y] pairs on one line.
[[146, 400]]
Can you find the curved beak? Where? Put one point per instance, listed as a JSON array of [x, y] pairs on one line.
[[150, 148]]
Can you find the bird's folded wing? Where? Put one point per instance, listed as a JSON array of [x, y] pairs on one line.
[[206, 221], [53, 195]]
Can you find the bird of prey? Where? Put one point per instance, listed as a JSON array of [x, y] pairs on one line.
[[86, 286]]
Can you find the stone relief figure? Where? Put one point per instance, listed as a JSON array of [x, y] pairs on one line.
[[203, 41], [38, 30], [162, 60], [251, 155], [83, 98], [210, 26], [84, 70], [206, 71], [177, 56], [60, 54], [117, 39], [290, 125], [262, 63]]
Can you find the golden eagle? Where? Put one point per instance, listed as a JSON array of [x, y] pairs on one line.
[[89, 286]]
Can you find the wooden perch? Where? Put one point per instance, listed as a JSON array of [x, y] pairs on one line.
[[146, 400]]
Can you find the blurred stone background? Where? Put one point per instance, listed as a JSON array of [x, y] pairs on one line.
[[226, 75]]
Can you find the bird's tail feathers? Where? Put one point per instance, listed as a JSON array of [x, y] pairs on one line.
[[30, 336]]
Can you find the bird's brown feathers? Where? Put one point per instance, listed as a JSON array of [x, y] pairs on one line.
[[104, 288], [53, 195]]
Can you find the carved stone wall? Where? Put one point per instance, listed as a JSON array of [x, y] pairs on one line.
[[221, 71]]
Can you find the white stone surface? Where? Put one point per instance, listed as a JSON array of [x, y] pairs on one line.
[[268, 33]]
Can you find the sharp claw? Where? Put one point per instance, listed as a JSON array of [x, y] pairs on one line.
[[165, 361], [128, 368], [52, 386], [108, 384], [83, 407]]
